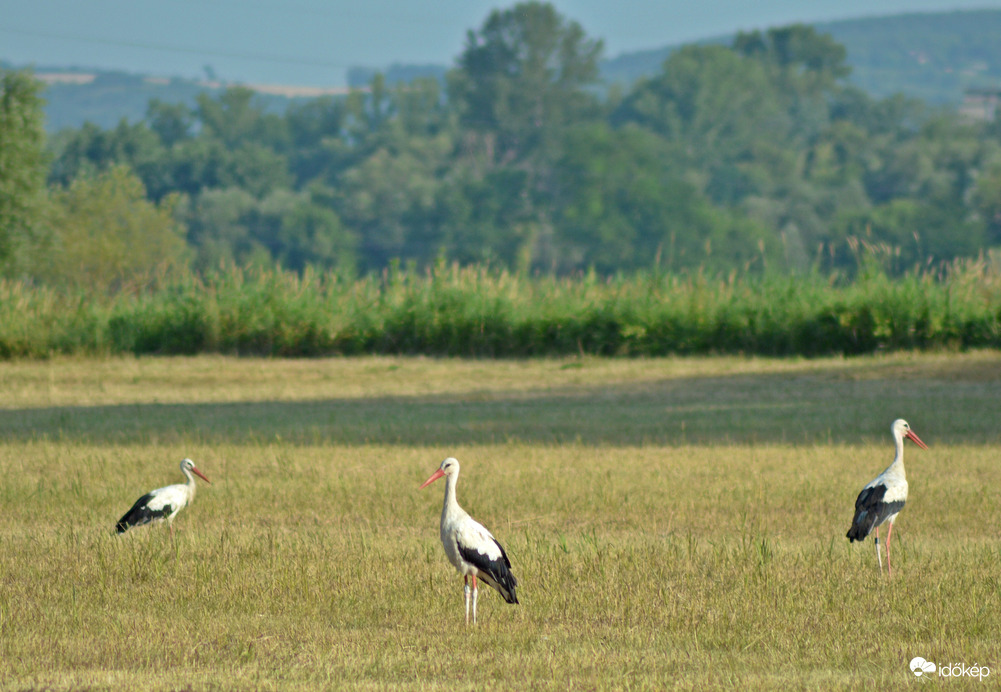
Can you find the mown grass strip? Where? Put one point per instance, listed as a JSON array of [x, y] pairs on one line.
[[646, 560]]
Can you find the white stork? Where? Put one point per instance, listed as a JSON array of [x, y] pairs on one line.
[[884, 496], [163, 503], [469, 546]]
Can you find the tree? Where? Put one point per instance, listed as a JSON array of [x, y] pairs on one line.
[[22, 161], [101, 233], [806, 68], [521, 80], [91, 150], [710, 103], [293, 229], [482, 218], [625, 208], [522, 77], [172, 122], [987, 198], [797, 47], [299, 233], [315, 128], [234, 118], [389, 193], [912, 232], [218, 230]]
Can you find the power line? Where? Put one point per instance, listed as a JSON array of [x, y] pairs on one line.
[[326, 11], [264, 57]]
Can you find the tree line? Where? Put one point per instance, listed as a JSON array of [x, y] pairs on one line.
[[755, 157]]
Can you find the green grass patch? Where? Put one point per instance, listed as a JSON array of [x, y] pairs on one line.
[[672, 522]]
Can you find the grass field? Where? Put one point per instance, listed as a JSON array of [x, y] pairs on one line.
[[672, 522]]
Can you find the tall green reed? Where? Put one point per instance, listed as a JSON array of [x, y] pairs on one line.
[[478, 312]]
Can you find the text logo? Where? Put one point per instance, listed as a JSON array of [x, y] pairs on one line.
[[961, 670], [920, 667]]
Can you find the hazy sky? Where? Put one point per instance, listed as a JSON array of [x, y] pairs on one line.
[[311, 42]]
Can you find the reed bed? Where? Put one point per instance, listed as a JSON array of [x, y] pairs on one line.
[[476, 312]]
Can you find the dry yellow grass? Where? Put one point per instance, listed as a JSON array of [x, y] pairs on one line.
[[672, 523]]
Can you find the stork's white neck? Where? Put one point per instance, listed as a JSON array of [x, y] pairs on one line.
[[190, 484], [450, 504], [897, 467]]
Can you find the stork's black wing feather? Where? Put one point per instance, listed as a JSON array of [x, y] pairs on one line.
[[495, 572], [870, 511], [140, 514]]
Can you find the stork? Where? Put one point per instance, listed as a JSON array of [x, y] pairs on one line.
[[163, 503], [884, 496], [469, 546]]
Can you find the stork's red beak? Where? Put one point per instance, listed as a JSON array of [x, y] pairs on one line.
[[434, 476], [198, 473], [916, 439]]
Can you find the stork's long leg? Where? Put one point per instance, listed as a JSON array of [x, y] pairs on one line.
[[475, 592], [889, 567], [466, 593], [879, 555]]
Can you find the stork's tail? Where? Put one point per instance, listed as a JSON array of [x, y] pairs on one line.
[[500, 577], [856, 533], [505, 584], [862, 525]]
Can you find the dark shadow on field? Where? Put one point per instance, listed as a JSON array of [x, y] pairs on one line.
[[786, 408]]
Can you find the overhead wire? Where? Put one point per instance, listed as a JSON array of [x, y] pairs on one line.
[[287, 59], [332, 14]]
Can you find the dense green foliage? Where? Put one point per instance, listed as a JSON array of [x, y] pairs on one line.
[[758, 156], [471, 312], [517, 212], [102, 232], [22, 171]]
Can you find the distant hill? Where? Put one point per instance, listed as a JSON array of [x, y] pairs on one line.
[[933, 57], [930, 56], [362, 76], [76, 95]]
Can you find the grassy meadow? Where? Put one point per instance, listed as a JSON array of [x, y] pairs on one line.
[[673, 522]]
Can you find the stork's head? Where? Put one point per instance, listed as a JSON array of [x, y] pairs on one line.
[[447, 468], [188, 465], [901, 430]]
